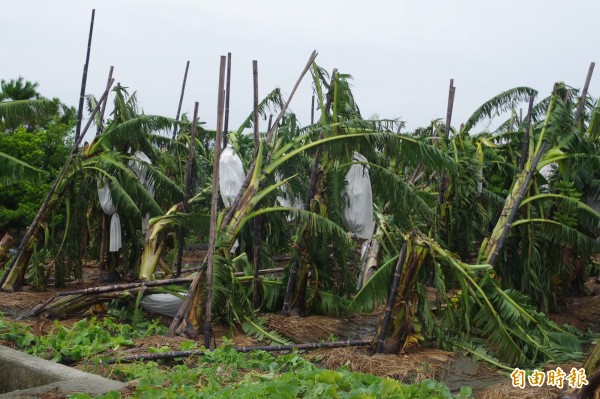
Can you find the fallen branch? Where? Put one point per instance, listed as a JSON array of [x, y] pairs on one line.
[[103, 290], [241, 349]]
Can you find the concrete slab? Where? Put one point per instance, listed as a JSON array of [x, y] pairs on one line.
[[26, 376]]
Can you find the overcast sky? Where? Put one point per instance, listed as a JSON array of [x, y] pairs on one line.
[[400, 53]]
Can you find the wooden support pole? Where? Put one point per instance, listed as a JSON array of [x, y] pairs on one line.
[[84, 78], [103, 108], [227, 95], [241, 349], [257, 220], [584, 94], [186, 192], [451, 92], [187, 67], [312, 110], [213, 209]]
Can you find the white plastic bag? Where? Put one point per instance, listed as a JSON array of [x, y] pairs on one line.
[[231, 175], [115, 233], [110, 209], [358, 209], [165, 304]]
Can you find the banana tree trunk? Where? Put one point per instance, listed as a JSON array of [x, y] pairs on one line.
[[592, 370], [491, 247], [371, 263], [403, 299], [155, 244]]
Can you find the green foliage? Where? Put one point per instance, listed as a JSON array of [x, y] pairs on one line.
[[225, 373], [86, 338], [45, 149]]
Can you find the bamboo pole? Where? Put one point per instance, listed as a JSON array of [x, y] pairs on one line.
[[105, 218], [187, 66], [312, 110], [450, 107], [257, 220], [391, 299], [241, 349], [41, 212], [84, 78], [186, 192], [255, 105], [584, 94], [227, 95], [451, 92], [213, 209], [103, 108], [526, 136]]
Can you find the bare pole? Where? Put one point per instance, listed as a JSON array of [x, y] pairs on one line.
[[257, 220], [103, 108], [584, 93], [451, 91], [213, 209], [186, 192], [312, 110], [105, 218], [187, 67], [33, 226], [227, 94], [450, 107], [84, 78], [271, 132], [241, 349]]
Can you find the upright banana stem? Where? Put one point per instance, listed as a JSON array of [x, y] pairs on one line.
[[522, 184], [313, 183], [491, 247]]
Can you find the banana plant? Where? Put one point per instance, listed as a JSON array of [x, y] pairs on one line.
[[108, 156]]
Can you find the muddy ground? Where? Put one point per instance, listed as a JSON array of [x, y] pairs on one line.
[[455, 371]]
